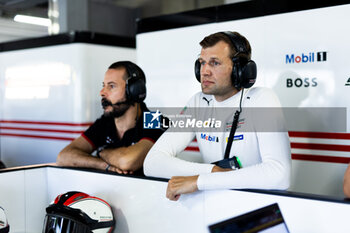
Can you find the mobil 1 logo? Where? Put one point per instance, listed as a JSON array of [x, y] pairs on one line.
[[301, 82], [310, 57]]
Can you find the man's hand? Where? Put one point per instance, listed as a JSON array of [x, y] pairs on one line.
[[178, 185], [118, 170], [220, 169]]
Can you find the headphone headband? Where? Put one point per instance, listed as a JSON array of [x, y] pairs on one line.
[[237, 42], [244, 70]]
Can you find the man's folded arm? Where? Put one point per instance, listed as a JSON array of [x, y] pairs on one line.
[[78, 154], [128, 158]]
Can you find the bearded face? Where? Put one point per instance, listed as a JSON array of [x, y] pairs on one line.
[[114, 110]]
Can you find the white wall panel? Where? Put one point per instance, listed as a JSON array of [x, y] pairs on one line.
[[140, 205], [12, 199], [47, 93], [35, 187]]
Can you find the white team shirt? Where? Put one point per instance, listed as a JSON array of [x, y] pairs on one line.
[[264, 154]]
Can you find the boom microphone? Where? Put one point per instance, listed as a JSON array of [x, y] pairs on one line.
[[121, 102], [105, 103]]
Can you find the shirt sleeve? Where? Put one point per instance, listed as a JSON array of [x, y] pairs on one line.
[[92, 133], [161, 160], [274, 171]]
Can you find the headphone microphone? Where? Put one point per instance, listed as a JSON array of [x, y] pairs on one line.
[[106, 103], [122, 102], [243, 71]]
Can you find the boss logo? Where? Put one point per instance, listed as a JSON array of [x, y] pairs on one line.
[[299, 82]]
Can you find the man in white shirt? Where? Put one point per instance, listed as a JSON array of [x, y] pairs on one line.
[[224, 69]]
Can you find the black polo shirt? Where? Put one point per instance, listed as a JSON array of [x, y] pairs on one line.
[[103, 133]]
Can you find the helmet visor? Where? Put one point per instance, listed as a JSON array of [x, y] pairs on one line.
[[63, 224]]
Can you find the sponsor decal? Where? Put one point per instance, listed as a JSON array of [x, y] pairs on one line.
[[105, 218], [301, 82], [208, 101], [236, 138], [209, 138], [240, 123], [183, 110], [310, 57], [347, 82], [151, 120], [109, 140]]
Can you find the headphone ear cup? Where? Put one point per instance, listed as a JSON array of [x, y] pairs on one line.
[[135, 90], [243, 73], [249, 72], [197, 70]]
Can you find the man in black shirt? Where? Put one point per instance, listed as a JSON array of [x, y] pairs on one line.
[[346, 182], [118, 136]]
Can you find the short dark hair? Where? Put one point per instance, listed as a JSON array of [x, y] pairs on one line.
[[214, 38], [130, 68]]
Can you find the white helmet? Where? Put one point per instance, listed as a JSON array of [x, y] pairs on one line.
[[4, 225], [77, 212]]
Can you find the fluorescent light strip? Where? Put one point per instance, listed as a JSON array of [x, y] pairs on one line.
[[32, 20]]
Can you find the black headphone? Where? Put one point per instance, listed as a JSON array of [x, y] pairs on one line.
[[243, 70], [135, 89]]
